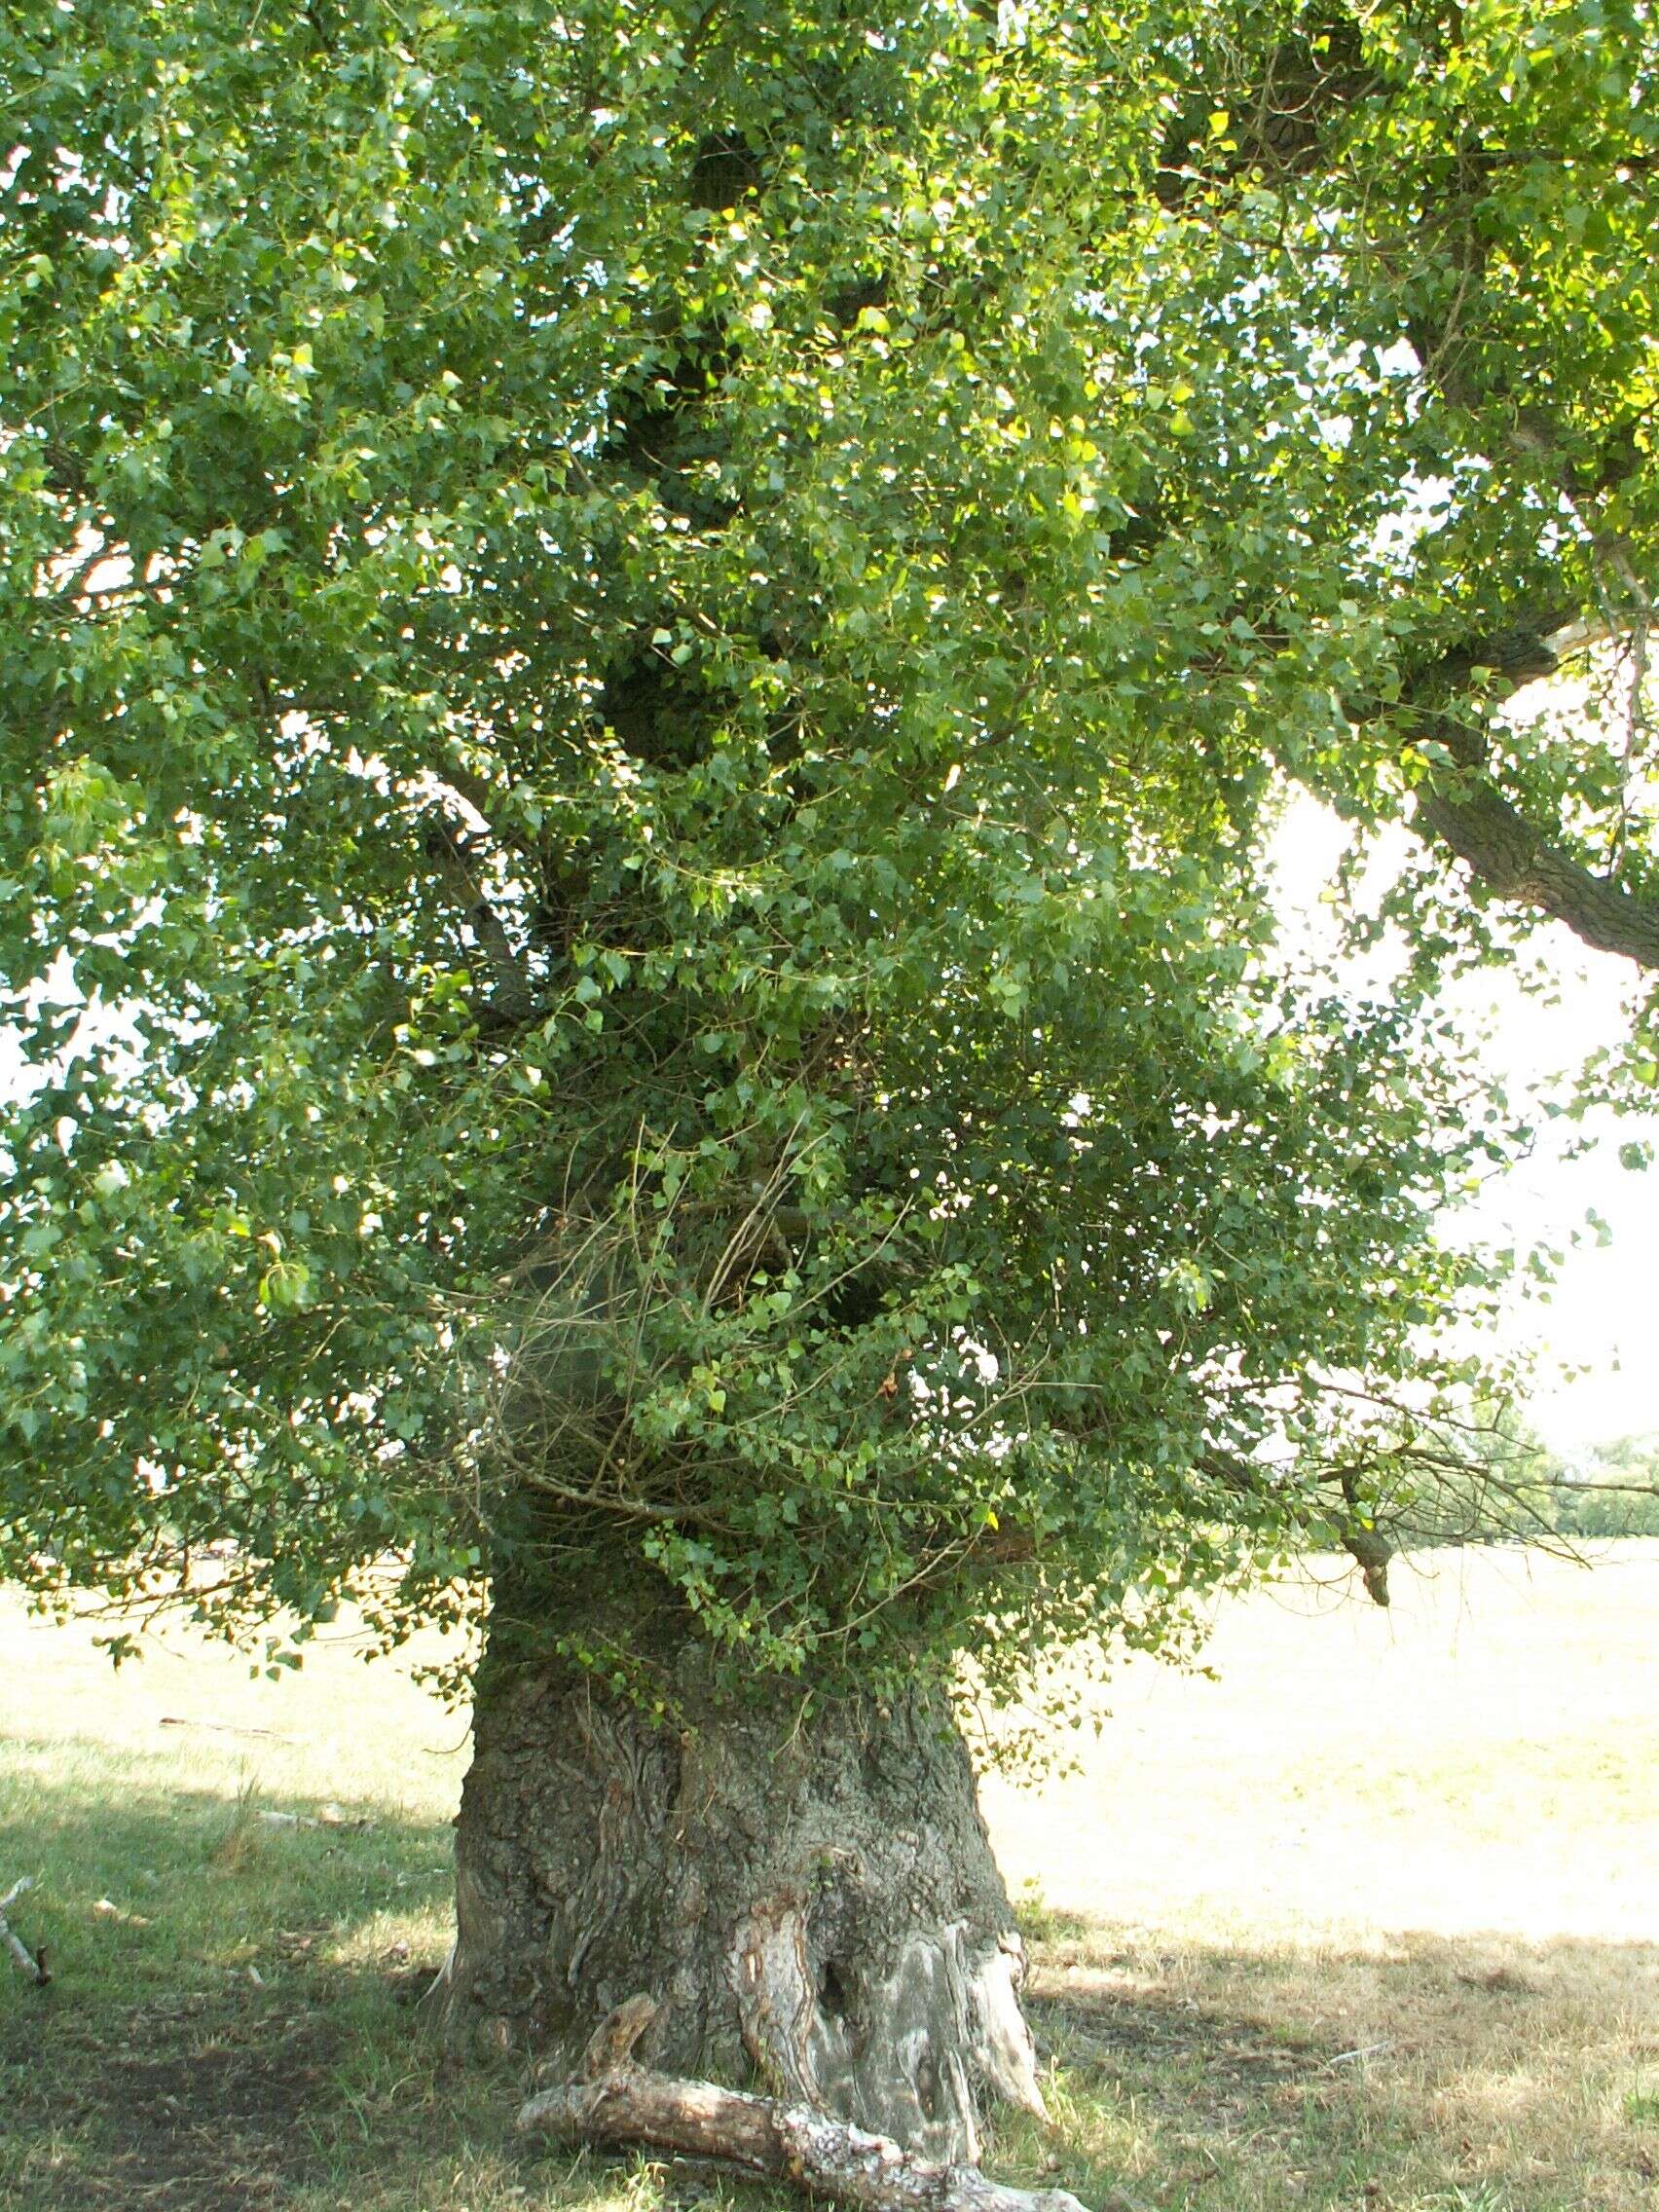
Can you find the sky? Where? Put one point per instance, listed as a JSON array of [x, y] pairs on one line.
[[1600, 1316]]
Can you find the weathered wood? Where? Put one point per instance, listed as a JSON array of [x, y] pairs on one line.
[[31, 1963], [613, 2101]]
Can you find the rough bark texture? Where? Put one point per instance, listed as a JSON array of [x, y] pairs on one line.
[[1516, 860], [613, 2101], [815, 1900], [1513, 857]]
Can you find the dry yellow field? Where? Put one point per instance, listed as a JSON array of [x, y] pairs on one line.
[[1482, 1755], [1372, 1916], [1368, 1920]]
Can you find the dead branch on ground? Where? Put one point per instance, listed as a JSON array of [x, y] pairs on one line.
[[613, 2100]]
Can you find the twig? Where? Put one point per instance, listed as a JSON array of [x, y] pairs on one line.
[[224, 1728], [330, 1817], [31, 1963]]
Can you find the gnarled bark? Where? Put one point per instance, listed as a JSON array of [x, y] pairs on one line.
[[807, 1896]]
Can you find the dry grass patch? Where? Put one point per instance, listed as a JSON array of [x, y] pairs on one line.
[[1386, 2076], [1373, 1918]]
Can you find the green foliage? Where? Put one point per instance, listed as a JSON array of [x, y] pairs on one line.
[[649, 652]]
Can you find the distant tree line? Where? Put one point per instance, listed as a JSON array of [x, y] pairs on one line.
[[1503, 1483], [1612, 1489]]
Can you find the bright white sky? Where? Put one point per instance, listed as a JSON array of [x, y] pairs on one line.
[[1601, 1314]]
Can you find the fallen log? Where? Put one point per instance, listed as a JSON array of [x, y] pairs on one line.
[[613, 2100], [31, 1963]]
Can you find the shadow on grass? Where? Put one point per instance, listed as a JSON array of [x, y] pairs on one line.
[[230, 1995], [231, 2025], [1447, 2072]]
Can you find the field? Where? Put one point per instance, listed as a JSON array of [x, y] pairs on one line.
[[1369, 1921]]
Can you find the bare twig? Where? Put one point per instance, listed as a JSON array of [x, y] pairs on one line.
[[31, 1963], [223, 1727]]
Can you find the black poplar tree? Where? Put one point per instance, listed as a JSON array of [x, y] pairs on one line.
[[649, 649]]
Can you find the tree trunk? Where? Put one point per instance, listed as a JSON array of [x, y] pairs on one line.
[[813, 1899]]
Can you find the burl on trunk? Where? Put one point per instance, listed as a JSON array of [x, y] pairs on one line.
[[809, 1897]]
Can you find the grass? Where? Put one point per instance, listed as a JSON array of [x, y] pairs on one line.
[[1372, 1920]]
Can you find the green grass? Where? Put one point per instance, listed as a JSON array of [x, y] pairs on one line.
[[1371, 1922]]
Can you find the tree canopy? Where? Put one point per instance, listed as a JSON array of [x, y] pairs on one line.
[[650, 652]]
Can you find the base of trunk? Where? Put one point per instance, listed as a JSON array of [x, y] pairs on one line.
[[814, 1899]]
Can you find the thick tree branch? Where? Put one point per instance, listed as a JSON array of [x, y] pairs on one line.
[[1514, 860], [482, 796], [1289, 121], [1512, 857]]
